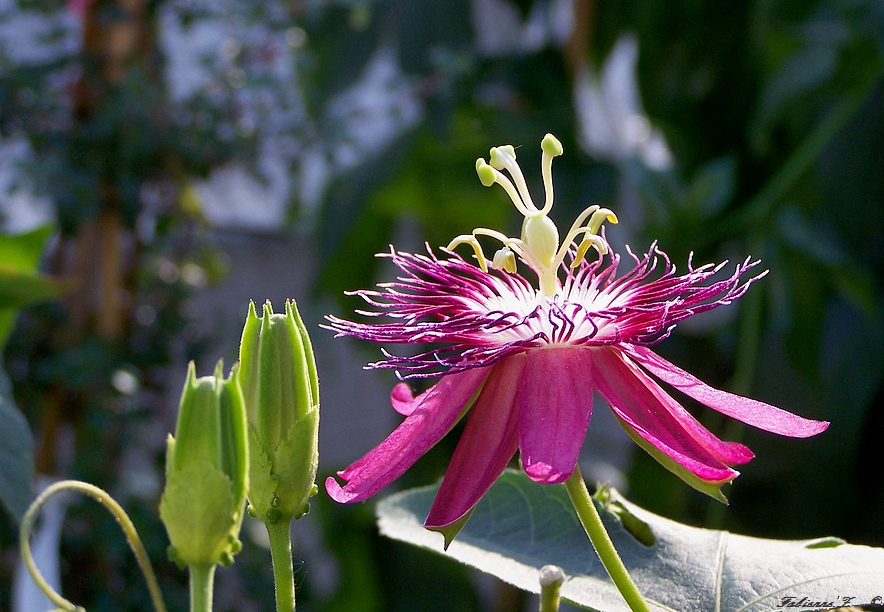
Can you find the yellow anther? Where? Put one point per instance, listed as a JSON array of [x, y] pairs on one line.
[[599, 217], [504, 259], [589, 240]]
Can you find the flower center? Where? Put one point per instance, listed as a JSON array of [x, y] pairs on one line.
[[538, 245]]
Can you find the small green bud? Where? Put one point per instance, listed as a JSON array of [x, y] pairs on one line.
[[278, 376], [203, 501]]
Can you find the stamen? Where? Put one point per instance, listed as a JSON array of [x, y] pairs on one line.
[[581, 218], [590, 240], [505, 260], [503, 238], [539, 246], [518, 246], [599, 217], [576, 229], [470, 240]]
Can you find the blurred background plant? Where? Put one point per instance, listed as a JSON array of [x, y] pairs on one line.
[[190, 155]]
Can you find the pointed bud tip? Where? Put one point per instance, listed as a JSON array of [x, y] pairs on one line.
[[291, 307], [268, 309], [448, 530], [190, 380]]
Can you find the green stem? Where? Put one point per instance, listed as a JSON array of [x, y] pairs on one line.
[[125, 523], [551, 579], [283, 570], [202, 579], [601, 541]]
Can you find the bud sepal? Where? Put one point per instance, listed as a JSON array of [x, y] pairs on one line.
[[278, 377], [203, 501]]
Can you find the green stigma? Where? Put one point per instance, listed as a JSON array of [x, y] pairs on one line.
[[539, 244]]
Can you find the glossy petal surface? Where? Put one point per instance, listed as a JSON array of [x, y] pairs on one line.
[[627, 390], [488, 443], [555, 405], [403, 400]]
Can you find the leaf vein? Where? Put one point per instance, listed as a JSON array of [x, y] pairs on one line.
[[719, 570]]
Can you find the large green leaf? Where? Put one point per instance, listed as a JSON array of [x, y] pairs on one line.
[[20, 283], [23, 251], [520, 526], [16, 454], [20, 287]]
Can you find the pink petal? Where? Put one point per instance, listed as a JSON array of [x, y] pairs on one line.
[[403, 399], [488, 442], [749, 411], [627, 390], [730, 453], [440, 408], [555, 404]]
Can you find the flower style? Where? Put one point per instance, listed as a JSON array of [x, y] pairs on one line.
[[528, 360]]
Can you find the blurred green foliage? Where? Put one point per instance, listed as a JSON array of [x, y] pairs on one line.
[[773, 114]]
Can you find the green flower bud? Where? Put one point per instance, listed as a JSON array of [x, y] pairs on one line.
[[203, 502], [278, 376]]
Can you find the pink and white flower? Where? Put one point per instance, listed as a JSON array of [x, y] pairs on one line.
[[527, 360]]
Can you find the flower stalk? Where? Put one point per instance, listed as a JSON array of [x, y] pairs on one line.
[[551, 580], [283, 568], [601, 541], [202, 579]]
